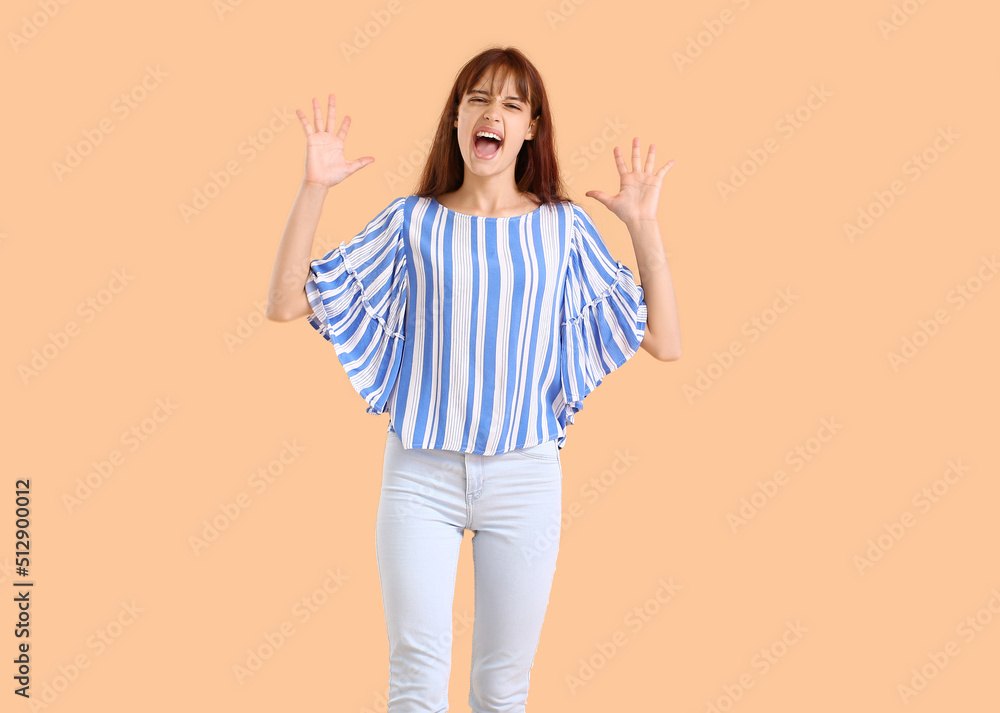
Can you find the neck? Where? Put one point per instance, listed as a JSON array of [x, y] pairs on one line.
[[485, 195]]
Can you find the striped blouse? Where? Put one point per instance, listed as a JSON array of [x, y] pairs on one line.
[[477, 334]]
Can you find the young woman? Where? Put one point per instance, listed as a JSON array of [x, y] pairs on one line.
[[478, 312]]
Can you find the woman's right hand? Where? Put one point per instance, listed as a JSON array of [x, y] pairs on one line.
[[325, 162]]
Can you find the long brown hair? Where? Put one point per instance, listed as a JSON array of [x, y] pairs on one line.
[[535, 169]]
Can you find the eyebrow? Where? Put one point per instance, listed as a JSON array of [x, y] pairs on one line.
[[483, 91]]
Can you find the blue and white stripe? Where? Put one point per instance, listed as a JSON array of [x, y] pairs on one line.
[[480, 335]]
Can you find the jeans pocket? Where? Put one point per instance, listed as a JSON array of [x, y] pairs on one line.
[[547, 451]]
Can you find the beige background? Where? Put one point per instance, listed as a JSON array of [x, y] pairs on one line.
[[185, 330]]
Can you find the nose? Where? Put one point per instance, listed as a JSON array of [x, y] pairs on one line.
[[490, 111]]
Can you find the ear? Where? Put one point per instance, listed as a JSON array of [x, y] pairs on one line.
[[531, 130]]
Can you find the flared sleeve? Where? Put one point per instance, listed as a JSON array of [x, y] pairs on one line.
[[604, 314], [358, 296]]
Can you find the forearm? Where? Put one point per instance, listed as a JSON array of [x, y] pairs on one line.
[[663, 337], [286, 298]]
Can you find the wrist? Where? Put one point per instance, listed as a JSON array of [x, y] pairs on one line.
[[314, 186], [639, 223]]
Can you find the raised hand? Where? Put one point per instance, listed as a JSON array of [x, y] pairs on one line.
[[639, 194], [325, 162]]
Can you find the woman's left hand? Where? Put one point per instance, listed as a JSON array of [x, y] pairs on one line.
[[640, 190]]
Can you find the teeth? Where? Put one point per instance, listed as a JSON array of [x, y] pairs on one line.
[[490, 134]]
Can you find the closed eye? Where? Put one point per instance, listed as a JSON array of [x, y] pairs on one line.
[[512, 106]]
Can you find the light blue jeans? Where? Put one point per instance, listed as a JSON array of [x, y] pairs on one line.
[[512, 502]]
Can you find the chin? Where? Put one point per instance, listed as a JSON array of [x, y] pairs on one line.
[[484, 168]]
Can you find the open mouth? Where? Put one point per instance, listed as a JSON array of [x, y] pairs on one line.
[[486, 148]]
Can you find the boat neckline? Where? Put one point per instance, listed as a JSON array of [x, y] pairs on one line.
[[487, 217]]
